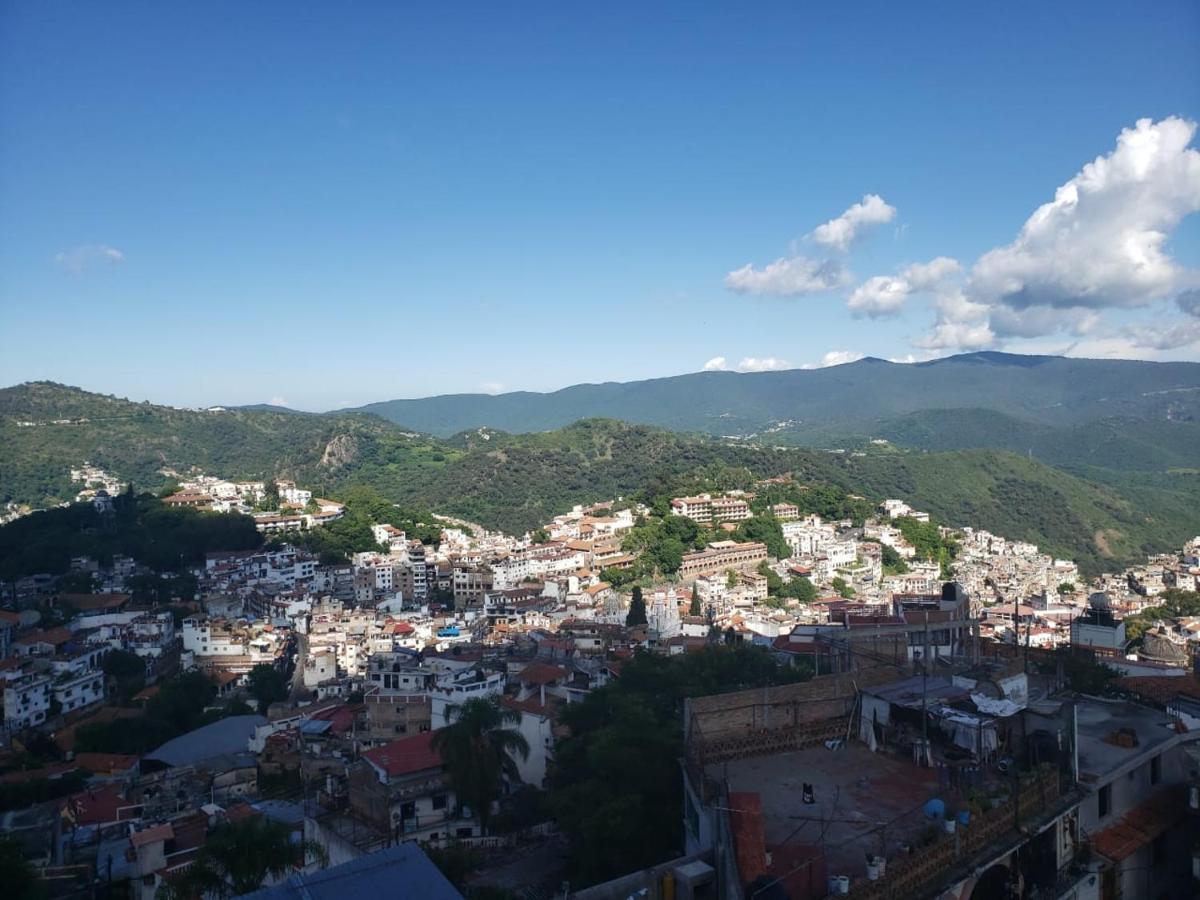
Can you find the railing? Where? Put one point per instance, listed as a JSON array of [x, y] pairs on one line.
[[764, 741], [905, 876]]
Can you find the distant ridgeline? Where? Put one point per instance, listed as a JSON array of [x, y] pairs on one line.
[[1127, 482]]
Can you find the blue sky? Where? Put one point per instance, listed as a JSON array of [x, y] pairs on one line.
[[329, 204]]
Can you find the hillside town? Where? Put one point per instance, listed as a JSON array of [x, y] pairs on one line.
[[930, 658]]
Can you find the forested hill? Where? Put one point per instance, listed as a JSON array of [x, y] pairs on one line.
[[516, 482], [860, 399]]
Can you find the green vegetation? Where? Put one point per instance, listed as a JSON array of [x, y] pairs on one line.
[[127, 671], [1099, 516], [926, 538], [238, 856], [839, 584], [1172, 604], [479, 748], [16, 874], [765, 529], [893, 562], [266, 685], [615, 789], [24, 794], [176, 709], [637, 609], [165, 539]]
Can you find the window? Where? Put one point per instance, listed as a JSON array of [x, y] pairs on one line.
[[1156, 770], [1160, 849], [439, 801], [1104, 800], [463, 832]]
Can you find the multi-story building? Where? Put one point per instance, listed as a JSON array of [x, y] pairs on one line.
[[721, 555], [27, 697], [706, 509], [402, 789]]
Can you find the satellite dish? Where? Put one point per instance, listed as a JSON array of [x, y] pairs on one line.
[[1099, 601]]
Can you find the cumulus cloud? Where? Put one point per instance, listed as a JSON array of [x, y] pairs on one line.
[[789, 277], [1100, 244], [491, 387], [885, 295], [79, 258], [716, 364], [840, 233], [834, 358], [277, 401], [762, 364]]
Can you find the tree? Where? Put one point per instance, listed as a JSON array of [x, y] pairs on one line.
[[266, 684], [765, 530], [694, 609], [800, 588], [127, 669], [839, 585], [237, 857], [539, 536], [478, 748], [615, 788], [893, 562], [1066, 588], [19, 880], [270, 498], [637, 609]]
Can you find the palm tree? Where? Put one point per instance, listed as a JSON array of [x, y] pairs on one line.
[[478, 749], [237, 857]]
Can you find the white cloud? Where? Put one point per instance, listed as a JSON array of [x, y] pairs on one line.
[[716, 364], [762, 364], [277, 401], [880, 296], [950, 335], [79, 258], [1100, 242], [885, 295], [834, 358], [789, 277], [840, 233], [1167, 336], [491, 387]]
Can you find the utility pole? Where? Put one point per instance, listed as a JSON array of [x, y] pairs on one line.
[[924, 689]]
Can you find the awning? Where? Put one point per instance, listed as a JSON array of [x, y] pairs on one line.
[[1141, 825]]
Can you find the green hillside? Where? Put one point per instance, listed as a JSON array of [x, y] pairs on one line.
[[1098, 515], [857, 400]]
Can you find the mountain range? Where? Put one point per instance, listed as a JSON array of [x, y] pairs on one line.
[[1094, 459], [1059, 408]]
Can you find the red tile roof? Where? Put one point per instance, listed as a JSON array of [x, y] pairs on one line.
[[95, 601], [101, 806], [746, 822], [239, 812], [406, 756], [151, 835], [1141, 825], [1161, 689], [105, 763], [541, 673], [55, 636]]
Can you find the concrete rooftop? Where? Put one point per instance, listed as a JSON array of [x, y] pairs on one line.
[[855, 791], [1098, 719]]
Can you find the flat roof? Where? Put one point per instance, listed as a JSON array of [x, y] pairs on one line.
[[1098, 719], [855, 792]]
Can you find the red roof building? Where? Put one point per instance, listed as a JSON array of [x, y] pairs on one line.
[[405, 756]]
